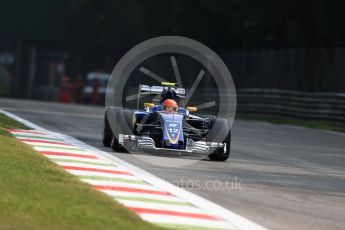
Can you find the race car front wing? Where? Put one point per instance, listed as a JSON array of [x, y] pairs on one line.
[[147, 143]]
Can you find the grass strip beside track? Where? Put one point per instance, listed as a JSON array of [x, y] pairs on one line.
[[37, 194]]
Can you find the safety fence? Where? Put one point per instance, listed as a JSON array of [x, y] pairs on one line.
[[317, 106], [328, 107]]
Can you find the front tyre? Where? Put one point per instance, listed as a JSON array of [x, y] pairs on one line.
[[125, 125], [107, 133], [218, 126], [116, 146], [219, 154]]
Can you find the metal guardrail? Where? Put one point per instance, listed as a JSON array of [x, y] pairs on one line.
[[328, 107]]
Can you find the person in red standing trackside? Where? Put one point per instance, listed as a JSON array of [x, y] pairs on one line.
[[95, 91], [78, 89], [66, 88]]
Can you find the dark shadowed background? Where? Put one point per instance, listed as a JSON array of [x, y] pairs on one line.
[[277, 49]]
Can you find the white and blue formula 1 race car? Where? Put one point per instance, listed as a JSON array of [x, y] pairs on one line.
[[154, 129]]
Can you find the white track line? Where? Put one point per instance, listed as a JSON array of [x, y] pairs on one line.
[[84, 173], [77, 164], [164, 219], [167, 207], [120, 184], [52, 145], [142, 195], [57, 150]]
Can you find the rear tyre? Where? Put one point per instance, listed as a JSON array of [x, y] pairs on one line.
[[107, 133]]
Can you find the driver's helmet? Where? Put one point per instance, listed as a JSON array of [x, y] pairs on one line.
[[167, 94], [170, 106]]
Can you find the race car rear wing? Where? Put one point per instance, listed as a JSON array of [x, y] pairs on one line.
[[145, 89]]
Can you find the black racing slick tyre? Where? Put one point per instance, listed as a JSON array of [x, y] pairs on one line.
[[130, 120], [220, 154], [107, 133], [125, 122], [116, 146]]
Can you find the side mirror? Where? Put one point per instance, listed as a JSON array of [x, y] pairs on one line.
[[191, 108], [148, 105]]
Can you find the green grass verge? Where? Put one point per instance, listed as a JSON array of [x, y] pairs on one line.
[[293, 121], [7, 123], [37, 194]]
